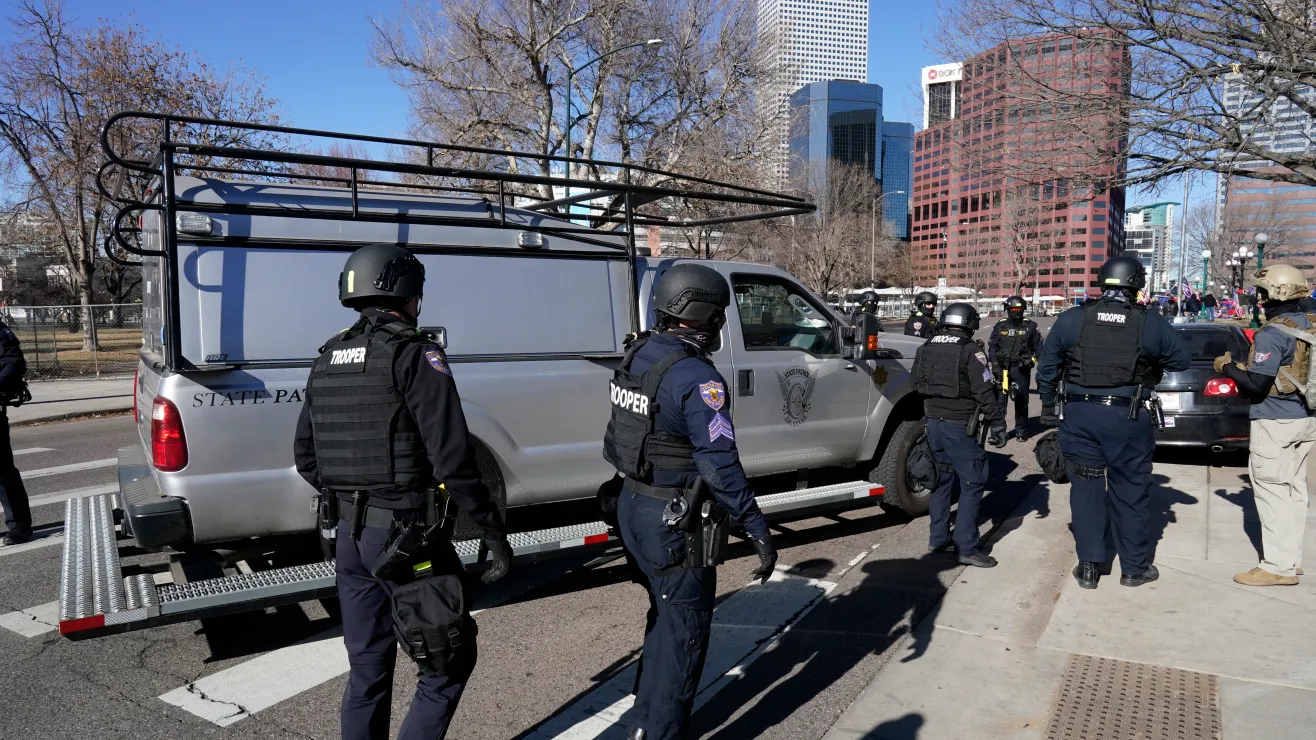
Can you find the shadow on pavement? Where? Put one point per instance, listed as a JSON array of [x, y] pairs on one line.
[[905, 728], [1251, 522], [1161, 511]]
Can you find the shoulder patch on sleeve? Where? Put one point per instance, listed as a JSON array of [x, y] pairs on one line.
[[436, 361], [980, 357], [1261, 357], [714, 394], [720, 426]]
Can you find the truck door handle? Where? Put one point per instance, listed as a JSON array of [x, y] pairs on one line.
[[744, 382], [851, 367]]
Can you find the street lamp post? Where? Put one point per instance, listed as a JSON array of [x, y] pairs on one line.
[[572, 73], [1261, 238], [872, 256]]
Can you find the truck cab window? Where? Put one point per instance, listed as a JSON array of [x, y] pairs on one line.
[[777, 314]]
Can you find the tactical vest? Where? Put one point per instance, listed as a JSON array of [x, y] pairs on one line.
[[1109, 353], [365, 437], [1011, 340], [937, 370], [1298, 369], [631, 443]]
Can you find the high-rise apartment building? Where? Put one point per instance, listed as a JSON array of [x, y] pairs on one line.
[[1149, 235], [806, 41], [1246, 205], [986, 213], [839, 122]]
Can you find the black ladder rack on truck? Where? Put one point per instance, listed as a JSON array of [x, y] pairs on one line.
[[622, 196], [95, 598]]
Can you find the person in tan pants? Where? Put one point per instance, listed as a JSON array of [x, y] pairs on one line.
[[1283, 430]]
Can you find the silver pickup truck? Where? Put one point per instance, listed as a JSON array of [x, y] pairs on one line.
[[532, 302]]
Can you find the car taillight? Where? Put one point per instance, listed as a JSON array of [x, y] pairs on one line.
[[168, 445], [1221, 387], [136, 414]]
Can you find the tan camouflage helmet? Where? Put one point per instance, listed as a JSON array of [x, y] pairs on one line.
[[1281, 282]]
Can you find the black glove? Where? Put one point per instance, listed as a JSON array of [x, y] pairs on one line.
[[996, 435], [1049, 418], [767, 557], [500, 556]]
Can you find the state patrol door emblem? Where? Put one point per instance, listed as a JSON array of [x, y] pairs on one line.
[[796, 394]]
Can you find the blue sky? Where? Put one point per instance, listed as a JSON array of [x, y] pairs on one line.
[[315, 55]]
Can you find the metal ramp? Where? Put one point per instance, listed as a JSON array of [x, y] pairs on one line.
[[95, 598]]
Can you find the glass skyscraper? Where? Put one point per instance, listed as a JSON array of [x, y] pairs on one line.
[[840, 122]]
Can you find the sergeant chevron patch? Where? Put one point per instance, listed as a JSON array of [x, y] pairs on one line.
[[720, 426]]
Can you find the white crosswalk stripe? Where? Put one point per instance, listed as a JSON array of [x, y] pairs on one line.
[[32, 450], [40, 541], [61, 496], [70, 468], [743, 628], [34, 621]]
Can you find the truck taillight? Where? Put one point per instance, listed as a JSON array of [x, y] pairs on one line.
[[1221, 387], [872, 343], [136, 414], [168, 445]]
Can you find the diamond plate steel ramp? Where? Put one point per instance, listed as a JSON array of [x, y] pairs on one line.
[[1105, 699]]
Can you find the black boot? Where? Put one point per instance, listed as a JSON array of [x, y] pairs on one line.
[[1147, 576], [978, 560], [17, 537], [1087, 574]]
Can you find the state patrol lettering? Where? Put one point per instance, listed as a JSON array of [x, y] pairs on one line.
[[636, 403]]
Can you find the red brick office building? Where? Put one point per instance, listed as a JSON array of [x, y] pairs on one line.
[[1009, 172]]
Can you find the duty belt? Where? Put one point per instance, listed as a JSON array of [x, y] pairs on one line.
[[374, 516], [644, 489], [1103, 400]]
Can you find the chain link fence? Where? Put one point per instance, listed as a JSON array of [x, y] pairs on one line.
[[53, 343]]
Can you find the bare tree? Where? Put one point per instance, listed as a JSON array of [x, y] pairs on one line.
[[829, 250], [58, 85], [1198, 84], [1022, 223], [492, 73]]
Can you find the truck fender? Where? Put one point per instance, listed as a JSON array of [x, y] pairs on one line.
[[487, 431], [897, 402]]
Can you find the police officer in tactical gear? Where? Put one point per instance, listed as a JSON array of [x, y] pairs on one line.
[[923, 319], [1283, 430], [868, 303], [1110, 352], [13, 496], [672, 439], [959, 395], [1014, 343], [381, 425]]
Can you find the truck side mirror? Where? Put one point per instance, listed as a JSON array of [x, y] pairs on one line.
[[865, 330], [440, 335]]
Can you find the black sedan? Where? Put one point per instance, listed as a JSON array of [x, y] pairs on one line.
[[1203, 408]]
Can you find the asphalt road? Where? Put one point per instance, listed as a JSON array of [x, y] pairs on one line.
[[853, 585]]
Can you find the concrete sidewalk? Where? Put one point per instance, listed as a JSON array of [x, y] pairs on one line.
[[53, 400], [1020, 651]]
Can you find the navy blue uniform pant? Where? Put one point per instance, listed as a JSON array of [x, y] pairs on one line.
[[679, 621], [13, 496], [372, 650], [1020, 379], [1110, 509], [963, 459]]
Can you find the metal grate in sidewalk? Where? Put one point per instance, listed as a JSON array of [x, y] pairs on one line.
[[1104, 699]]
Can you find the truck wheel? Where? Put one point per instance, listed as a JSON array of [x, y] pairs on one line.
[[901, 492], [493, 480]]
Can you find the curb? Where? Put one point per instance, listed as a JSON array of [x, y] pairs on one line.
[[72, 415]]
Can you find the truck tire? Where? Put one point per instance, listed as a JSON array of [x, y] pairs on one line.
[[901, 492], [493, 480]]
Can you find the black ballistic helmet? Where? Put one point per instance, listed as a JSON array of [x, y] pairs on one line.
[[383, 275], [868, 296], [692, 292], [925, 299], [1015, 304], [1049, 457], [1122, 272], [960, 315]]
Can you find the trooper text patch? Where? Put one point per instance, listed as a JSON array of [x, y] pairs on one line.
[[945, 339], [348, 356], [1114, 318], [630, 400]]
